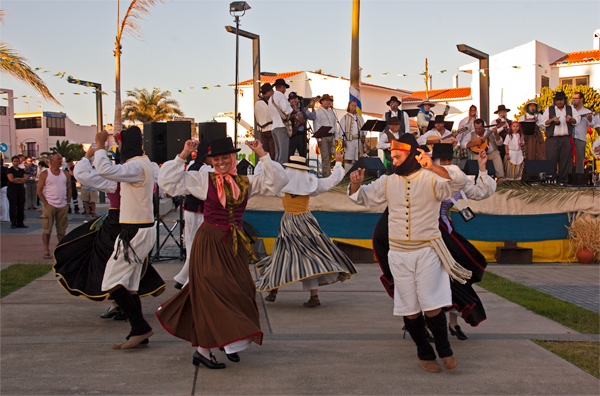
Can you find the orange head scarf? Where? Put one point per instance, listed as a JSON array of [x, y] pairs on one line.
[[235, 189]]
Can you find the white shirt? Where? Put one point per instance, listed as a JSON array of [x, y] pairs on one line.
[[492, 142], [406, 121], [580, 130], [422, 140], [562, 129], [326, 118], [596, 146], [281, 101], [382, 143], [354, 124], [466, 122], [513, 146], [262, 115], [530, 117], [86, 175]]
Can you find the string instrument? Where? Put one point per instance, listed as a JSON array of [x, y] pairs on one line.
[[484, 144], [431, 140]]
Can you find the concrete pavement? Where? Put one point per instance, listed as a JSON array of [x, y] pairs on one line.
[[55, 344]]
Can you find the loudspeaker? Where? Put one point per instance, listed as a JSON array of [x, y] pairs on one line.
[[580, 179], [163, 141], [242, 167], [533, 168], [372, 165], [212, 130], [472, 168]]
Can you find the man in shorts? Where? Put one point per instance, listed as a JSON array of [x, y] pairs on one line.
[[89, 197]]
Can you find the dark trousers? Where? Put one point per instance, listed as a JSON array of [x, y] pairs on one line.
[[559, 150], [74, 197], [16, 202], [298, 142], [268, 143]]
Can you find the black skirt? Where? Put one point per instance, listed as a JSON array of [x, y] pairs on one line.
[[464, 298], [80, 259]]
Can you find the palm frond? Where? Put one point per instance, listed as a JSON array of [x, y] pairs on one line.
[[149, 106], [2, 15], [342, 187], [545, 193], [15, 65], [135, 14]]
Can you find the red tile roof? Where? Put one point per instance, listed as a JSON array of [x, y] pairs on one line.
[[579, 57], [439, 94]]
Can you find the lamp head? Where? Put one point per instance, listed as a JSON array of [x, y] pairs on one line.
[[238, 6]]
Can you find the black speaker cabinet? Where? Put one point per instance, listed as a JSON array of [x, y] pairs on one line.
[[580, 179], [212, 130], [533, 168], [164, 140], [372, 165], [472, 168]]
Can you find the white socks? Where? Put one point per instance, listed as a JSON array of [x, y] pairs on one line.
[[204, 352]]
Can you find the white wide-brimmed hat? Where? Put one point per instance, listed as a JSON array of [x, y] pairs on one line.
[[297, 162]]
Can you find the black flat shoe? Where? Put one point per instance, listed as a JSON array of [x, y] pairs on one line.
[[110, 313], [120, 315], [178, 286], [458, 333], [232, 357], [208, 363]]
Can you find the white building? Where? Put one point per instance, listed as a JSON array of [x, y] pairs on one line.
[[7, 123]]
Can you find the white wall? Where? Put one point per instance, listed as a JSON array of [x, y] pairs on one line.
[[7, 124], [591, 69]]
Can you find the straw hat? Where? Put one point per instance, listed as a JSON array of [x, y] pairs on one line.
[[297, 162]]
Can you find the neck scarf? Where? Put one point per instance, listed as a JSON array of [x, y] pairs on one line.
[[411, 164], [428, 114], [532, 113], [235, 189]]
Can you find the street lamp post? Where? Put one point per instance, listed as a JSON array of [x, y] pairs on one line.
[[484, 78], [237, 9]]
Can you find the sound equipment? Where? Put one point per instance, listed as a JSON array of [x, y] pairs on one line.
[[372, 165], [538, 171], [164, 140], [212, 130], [579, 179], [472, 168]]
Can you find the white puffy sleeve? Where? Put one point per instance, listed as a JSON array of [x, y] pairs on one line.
[[327, 183], [86, 175], [174, 180], [270, 181], [372, 194], [445, 188], [129, 172], [484, 188]]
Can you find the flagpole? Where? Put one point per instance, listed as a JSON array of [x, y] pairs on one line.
[[354, 61]]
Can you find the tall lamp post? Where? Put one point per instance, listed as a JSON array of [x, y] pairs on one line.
[[237, 9], [484, 78]]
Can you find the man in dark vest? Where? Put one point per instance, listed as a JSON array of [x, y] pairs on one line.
[[392, 132], [502, 131], [559, 120], [395, 111]]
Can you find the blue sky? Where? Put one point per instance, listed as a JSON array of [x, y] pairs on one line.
[[185, 44]]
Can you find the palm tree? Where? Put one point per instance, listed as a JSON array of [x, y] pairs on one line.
[[150, 107], [63, 148], [129, 25], [15, 65]]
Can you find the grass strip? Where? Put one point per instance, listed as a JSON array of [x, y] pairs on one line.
[[563, 312], [16, 276], [585, 355]]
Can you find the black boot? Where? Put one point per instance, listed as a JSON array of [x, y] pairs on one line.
[[439, 328], [418, 332], [130, 306]]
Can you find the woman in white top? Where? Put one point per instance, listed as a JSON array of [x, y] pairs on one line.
[[513, 167]]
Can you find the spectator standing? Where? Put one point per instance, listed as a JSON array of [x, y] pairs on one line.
[[89, 197], [263, 119], [31, 184], [560, 120], [4, 216], [16, 194], [280, 111], [54, 189], [70, 168]]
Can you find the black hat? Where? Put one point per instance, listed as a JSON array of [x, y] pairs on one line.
[[265, 88], [500, 108], [131, 143], [560, 95], [443, 151], [393, 121], [202, 150], [69, 160], [280, 81], [393, 98], [439, 118], [292, 95], [222, 146]]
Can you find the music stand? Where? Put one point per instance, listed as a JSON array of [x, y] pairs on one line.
[[528, 127], [322, 132], [374, 126], [447, 124]]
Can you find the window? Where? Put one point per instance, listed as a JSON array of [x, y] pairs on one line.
[[575, 81], [56, 126], [545, 82], [31, 149], [28, 123], [3, 110]]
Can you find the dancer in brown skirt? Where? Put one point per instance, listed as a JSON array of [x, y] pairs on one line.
[[217, 308]]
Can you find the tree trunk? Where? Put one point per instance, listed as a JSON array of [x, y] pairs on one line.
[[118, 111]]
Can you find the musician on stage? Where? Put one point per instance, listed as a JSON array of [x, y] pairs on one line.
[[477, 137], [469, 121], [560, 120], [580, 130], [325, 116], [385, 141], [536, 148], [502, 113], [439, 134], [299, 117], [350, 125], [395, 111], [425, 115], [262, 116]]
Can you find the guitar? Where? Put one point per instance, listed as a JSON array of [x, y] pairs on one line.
[[484, 144], [431, 140]]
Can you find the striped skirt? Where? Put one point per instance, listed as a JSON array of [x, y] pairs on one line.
[[512, 171], [302, 251]]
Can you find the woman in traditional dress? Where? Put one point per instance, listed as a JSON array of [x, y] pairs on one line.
[[536, 147], [513, 166], [217, 308], [81, 256], [302, 251]]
